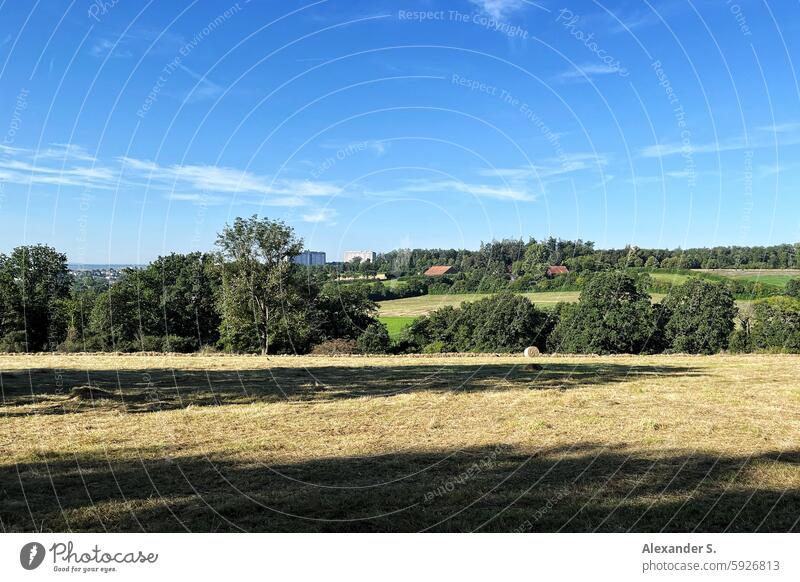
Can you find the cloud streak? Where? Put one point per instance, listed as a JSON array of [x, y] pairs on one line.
[[68, 165], [584, 73], [499, 9], [320, 215], [785, 134], [510, 192]]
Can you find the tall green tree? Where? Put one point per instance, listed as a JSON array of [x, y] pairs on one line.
[[257, 272], [123, 314], [34, 288], [698, 317], [169, 305], [344, 310], [772, 325], [186, 288], [612, 316], [501, 323]]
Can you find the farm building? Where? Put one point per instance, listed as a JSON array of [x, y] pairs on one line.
[[554, 270], [439, 270]]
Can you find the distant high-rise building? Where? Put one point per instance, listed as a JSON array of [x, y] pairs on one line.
[[310, 258], [363, 255]]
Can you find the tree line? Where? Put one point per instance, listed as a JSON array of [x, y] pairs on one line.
[[517, 265], [615, 315], [249, 297]]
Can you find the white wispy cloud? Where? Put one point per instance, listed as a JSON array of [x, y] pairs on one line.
[[786, 127], [549, 167], [136, 41], [633, 21], [104, 47], [68, 165], [22, 166], [64, 152], [768, 170], [348, 148], [785, 133], [206, 89], [319, 215], [508, 192], [499, 9], [206, 178], [199, 199], [675, 148], [586, 71]]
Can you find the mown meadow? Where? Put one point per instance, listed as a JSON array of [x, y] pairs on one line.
[[104, 442]]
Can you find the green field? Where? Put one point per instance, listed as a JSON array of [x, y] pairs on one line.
[[671, 278], [777, 277], [412, 307], [396, 324], [399, 443]]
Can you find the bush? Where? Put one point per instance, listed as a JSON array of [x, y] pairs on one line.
[[375, 339], [436, 347], [440, 288], [505, 323], [502, 323], [75, 344], [613, 316], [439, 325], [793, 288], [147, 343], [740, 342], [698, 317], [180, 344], [773, 325], [335, 347], [13, 341]]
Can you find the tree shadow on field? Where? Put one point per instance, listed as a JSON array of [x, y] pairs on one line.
[[146, 390], [582, 488]]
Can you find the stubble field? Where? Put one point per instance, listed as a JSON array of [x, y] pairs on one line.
[[461, 443]]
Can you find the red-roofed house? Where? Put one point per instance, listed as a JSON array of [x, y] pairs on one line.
[[438, 271], [554, 270]]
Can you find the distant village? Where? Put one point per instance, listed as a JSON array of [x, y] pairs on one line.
[[110, 274]]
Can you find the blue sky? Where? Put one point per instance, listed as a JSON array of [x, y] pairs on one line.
[[132, 130]]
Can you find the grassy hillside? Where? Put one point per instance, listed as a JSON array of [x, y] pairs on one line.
[[396, 324], [216, 443], [412, 307]]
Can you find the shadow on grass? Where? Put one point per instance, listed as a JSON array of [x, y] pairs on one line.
[[154, 389], [582, 488]]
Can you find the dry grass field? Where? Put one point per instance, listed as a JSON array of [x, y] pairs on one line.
[[416, 306], [424, 304], [218, 443]]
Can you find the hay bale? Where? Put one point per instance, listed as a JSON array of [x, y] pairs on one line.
[[90, 393], [531, 352]]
